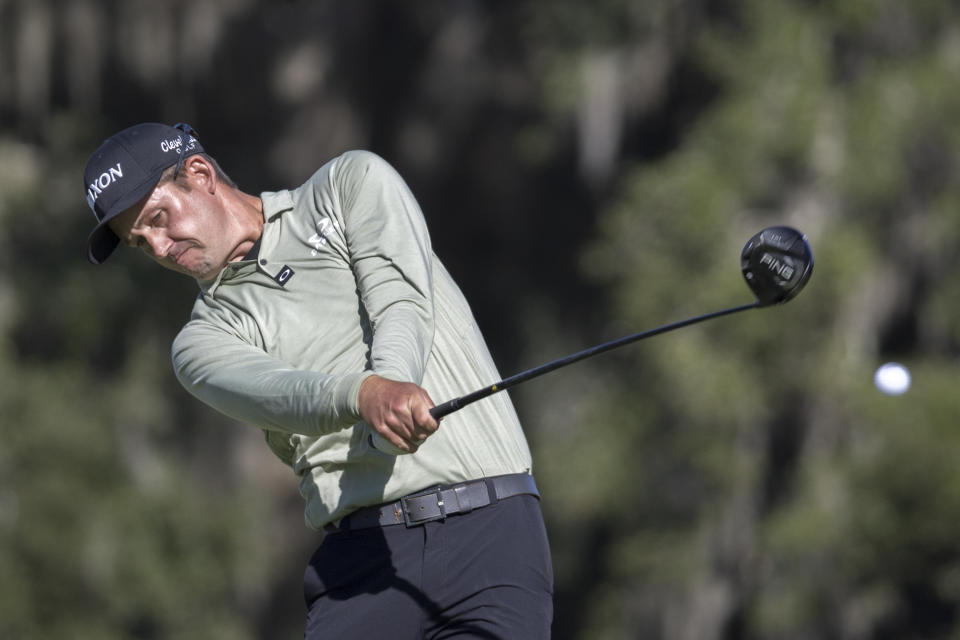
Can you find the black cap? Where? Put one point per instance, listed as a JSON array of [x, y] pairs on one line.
[[124, 169]]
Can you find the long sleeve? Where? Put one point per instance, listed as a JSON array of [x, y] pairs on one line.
[[391, 256], [247, 384]]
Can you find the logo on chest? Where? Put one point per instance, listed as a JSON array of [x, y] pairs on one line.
[[320, 239], [284, 275]]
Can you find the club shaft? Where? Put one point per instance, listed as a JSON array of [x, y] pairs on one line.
[[456, 404]]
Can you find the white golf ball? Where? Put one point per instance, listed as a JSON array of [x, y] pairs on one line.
[[892, 379]]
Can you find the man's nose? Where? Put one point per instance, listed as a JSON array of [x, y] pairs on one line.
[[159, 243]]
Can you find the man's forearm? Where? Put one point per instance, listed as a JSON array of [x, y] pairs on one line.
[[246, 384]]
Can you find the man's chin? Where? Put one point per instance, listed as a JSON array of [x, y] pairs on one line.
[[206, 271], [203, 272]]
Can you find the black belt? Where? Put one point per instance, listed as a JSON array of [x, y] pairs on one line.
[[438, 502]]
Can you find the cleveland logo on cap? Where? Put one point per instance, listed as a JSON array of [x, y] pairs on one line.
[[174, 144], [103, 181]]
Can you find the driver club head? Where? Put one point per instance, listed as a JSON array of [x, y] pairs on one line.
[[776, 263]]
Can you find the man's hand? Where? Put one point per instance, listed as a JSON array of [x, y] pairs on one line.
[[398, 411]]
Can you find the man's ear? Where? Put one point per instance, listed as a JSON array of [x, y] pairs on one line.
[[201, 173]]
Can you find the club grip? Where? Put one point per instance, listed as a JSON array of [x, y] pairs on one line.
[[445, 408], [456, 404]]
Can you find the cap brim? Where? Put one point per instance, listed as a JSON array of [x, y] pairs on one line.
[[101, 243]]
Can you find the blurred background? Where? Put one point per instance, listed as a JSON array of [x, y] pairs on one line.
[[588, 170]]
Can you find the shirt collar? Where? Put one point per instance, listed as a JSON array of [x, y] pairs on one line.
[[254, 250], [274, 204]]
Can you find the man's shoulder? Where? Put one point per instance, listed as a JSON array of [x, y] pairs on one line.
[[351, 163], [336, 183], [360, 157], [359, 163]]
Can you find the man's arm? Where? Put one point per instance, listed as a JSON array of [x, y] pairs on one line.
[[392, 260], [248, 385], [243, 382]]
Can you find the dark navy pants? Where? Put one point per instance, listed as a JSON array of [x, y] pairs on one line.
[[484, 574]]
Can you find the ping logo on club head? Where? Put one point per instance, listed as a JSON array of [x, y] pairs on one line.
[[778, 267]]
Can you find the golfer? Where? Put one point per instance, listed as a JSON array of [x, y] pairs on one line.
[[325, 319]]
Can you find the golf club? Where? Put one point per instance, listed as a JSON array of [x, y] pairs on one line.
[[776, 263]]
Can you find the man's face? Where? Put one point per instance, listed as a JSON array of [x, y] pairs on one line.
[[185, 231]]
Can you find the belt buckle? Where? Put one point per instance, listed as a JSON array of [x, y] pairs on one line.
[[410, 522]]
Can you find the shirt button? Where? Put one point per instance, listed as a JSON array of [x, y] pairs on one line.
[[263, 261]]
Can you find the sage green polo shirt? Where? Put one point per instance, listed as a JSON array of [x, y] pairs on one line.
[[345, 285]]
